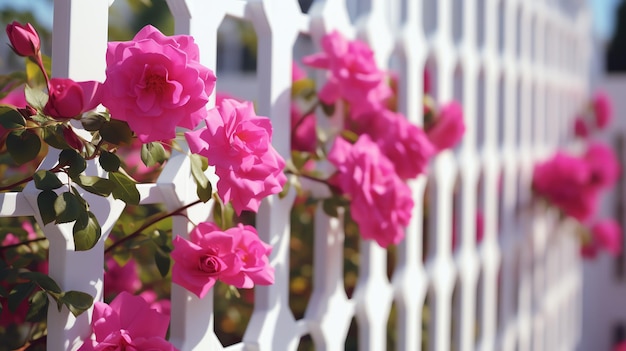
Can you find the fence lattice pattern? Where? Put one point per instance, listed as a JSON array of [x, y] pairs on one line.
[[520, 69]]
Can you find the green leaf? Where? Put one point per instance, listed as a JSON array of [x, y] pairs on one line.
[[45, 202], [285, 190], [23, 146], [153, 153], [303, 87], [35, 97], [46, 180], [74, 161], [67, 208], [121, 257], [331, 206], [86, 231], [18, 294], [53, 136], [125, 188], [109, 161], [95, 185], [38, 307], [116, 132], [93, 122], [162, 260], [204, 190], [76, 301], [223, 215], [11, 119], [43, 280], [76, 193]]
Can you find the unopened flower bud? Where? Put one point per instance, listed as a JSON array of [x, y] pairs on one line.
[[24, 39]]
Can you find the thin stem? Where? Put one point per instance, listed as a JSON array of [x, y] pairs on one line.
[[137, 232], [95, 151], [39, 62], [6, 247]]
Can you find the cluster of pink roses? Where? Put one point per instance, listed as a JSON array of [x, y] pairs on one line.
[[596, 116], [155, 84], [573, 184], [235, 256], [388, 150]]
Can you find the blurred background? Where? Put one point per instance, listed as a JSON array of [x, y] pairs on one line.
[[604, 310]]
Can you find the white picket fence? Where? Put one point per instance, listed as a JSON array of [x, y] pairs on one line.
[[520, 69]]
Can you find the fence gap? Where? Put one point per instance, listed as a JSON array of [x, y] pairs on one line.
[[301, 256]]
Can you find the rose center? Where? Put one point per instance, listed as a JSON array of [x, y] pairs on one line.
[[209, 263], [155, 82]]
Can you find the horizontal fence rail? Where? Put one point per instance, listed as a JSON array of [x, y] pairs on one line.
[[515, 65]]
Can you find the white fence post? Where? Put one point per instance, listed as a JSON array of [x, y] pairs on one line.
[[78, 52]]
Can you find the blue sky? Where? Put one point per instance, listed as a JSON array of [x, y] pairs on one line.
[[603, 12], [604, 16]]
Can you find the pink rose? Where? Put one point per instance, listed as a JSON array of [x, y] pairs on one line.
[[448, 128], [620, 347], [381, 202], [120, 278], [607, 235], [156, 83], [15, 98], [24, 39], [581, 129], [603, 164], [403, 143], [352, 74], [602, 109], [128, 323], [71, 138], [303, 131], [238, 143], [297, 73], [565, 181], [427, 83], [163, 306], [236, 256], [69, 99]]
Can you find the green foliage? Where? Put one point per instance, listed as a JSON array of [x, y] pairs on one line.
[[23, 145], [109, 161], [35, 97], [77, 302], [11, 119], [116, 132], [92, 122], [46, 180], [75, 162], [199, 164], [95, 185], [125, 188], [67, 208], [45, 201], [53, 136], [86, 231], [153, 153]]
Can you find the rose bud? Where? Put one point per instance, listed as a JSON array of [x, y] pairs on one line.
[[72, 139], [24, 39], [69, 99]]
